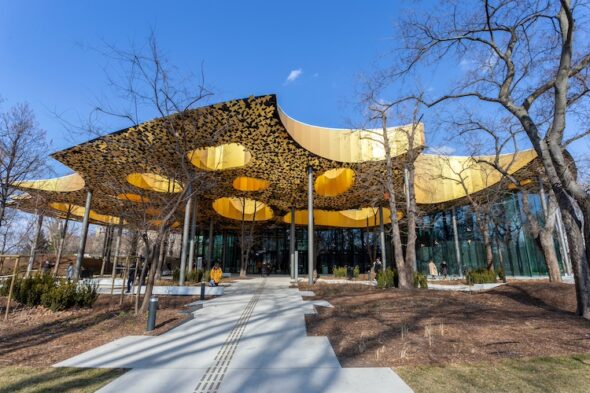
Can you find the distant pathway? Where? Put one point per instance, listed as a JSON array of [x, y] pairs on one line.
[[251, 340]]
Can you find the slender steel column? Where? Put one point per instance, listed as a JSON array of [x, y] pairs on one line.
[[185, 240], [211, 244], [223, 241], [116, 259], [108, 243], [292, 245], [310, 223], [84, 234], [382, 238], [193, 238], [456, 238], [35, 243]]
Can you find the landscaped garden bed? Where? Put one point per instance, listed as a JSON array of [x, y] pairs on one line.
[[371, 327]]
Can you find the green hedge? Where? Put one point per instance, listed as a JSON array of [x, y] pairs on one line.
[[192, 276], [420, 281], [43, 289], [387, 278], [480, 276], [339, 272]]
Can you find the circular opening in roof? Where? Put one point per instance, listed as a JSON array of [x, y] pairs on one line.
[[133, 198], [219, 158], [243, 183], [334, 182], [242, 209], [154, 182]]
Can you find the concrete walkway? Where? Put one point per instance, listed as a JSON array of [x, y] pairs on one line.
[[253, 339]]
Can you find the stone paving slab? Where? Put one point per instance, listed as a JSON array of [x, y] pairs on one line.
[[253, 339]]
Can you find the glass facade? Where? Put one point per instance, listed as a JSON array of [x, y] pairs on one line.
[[511, 244]]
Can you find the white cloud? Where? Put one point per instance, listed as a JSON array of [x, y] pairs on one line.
[[294, 74]]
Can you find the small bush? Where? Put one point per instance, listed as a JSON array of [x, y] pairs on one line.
[[387, 278], [480, 276], [420, 281], [44, 290], [356, 272], [339, 272], [176, 274], [194, 275], [207, 276]]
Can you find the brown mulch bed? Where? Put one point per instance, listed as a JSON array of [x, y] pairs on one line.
[[38, 337], [389, 328]]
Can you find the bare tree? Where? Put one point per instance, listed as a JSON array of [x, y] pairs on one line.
[[148, 83], [524, 61], [22, 151], [379, 111]]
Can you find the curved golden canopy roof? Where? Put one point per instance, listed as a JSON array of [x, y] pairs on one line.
[[250, 150]]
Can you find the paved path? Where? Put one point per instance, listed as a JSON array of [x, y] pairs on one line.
[[252, 339]]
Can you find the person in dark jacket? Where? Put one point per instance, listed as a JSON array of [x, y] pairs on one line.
[[131, 278]]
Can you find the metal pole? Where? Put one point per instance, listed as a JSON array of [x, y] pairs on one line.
[[382, 238], [116, 259], [456, 238], [191, 250], [153, 307], [296, 266], [106, 256], [292, 244], [35, 244], [185, 235], [211, 244], [310, 224], [82, 245]]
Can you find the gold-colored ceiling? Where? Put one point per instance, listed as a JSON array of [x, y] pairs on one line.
[[227, 143]]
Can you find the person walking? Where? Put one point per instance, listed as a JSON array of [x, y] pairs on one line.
[[432, 269], [131, 278], [444, 269], [377, 266], [70, 271]]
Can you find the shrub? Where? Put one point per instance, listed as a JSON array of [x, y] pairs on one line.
[[420, 281], [356, 272], [44, 290], [176, 274], [339, 272], [480, 276], [387, 278], [194, 275]]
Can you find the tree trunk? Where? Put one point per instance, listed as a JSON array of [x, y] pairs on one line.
[[548, 246], [501, 257], [489, 253], [155, 264], [143, 273], [579, 264], [396, 239]]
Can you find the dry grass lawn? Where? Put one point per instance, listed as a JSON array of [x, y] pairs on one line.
[[54, 380]]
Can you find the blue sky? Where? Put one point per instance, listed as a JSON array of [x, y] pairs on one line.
[[49, 58]]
